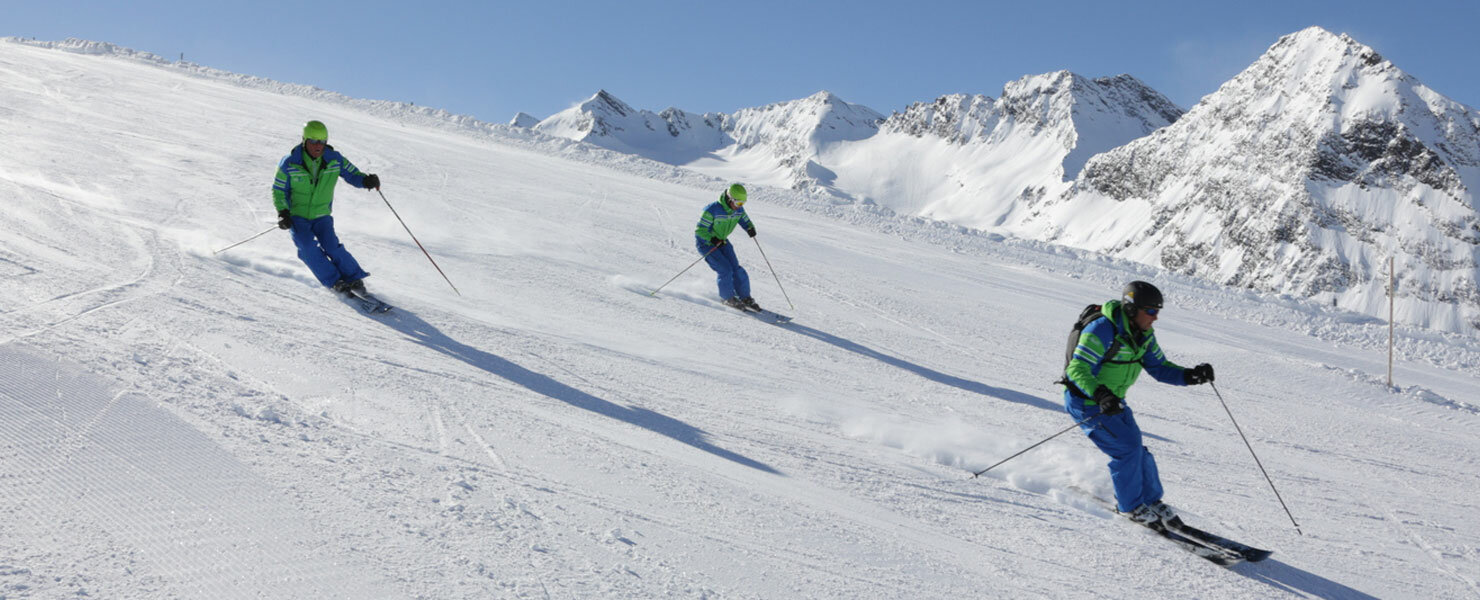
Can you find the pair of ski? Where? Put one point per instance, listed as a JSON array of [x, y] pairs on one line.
[[1215, 548], [764, 315], [367, 302]]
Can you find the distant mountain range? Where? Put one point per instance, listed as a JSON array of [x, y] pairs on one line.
[[1301, 175]]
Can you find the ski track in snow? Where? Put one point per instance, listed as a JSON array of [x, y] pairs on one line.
[[180, 424]]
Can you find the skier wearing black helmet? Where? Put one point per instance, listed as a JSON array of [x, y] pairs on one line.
[[1111, 353]]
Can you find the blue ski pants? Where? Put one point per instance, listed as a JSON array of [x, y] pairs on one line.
[[733, 281], [319, 248], [1132, 467]]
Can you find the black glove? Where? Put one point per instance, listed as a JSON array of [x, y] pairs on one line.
[[372, 182], [1202, 373], [751, 231], [1109, 403], [285, 219], [717, 242]]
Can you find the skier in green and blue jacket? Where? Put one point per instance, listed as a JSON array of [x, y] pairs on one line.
[[1097, 386], [303, 193], [715, 225]]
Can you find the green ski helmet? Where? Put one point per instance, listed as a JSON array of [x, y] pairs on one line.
[[315, 130], [736, 193]]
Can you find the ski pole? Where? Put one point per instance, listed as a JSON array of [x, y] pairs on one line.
[[773, 273], [418, 242], [1020, 452], [269, 230], [685, 270], [1256, 460]]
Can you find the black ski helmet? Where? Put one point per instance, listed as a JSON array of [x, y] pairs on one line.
[[1139, 294]]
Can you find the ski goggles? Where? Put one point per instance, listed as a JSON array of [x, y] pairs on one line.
[[315, 142], [1151, 311]]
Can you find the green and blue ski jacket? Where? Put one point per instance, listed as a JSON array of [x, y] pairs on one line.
[[1090, 368], [718, 221], [305, 186]]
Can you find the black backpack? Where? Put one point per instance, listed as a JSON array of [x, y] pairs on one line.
[[1086, 316]]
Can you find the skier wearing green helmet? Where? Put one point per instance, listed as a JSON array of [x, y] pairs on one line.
[[715, 225], [303, 193]]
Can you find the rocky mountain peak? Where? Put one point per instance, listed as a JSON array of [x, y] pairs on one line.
[[1305, 171]]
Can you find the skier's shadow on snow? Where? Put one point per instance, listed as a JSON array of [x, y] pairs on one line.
[[1298, 581], [425, 334], [923, 371]]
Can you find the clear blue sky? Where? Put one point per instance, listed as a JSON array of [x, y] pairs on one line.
[[493, 59]]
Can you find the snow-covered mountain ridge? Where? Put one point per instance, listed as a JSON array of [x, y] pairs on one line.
[[1062, 100], [983, 162], [606, 121], [1299, 176], [781, 139], [790, 143]]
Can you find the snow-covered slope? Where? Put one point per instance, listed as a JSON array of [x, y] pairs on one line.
[[1302, 175], [181, 424]]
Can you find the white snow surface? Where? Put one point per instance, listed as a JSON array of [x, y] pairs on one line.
[[179, 423]]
